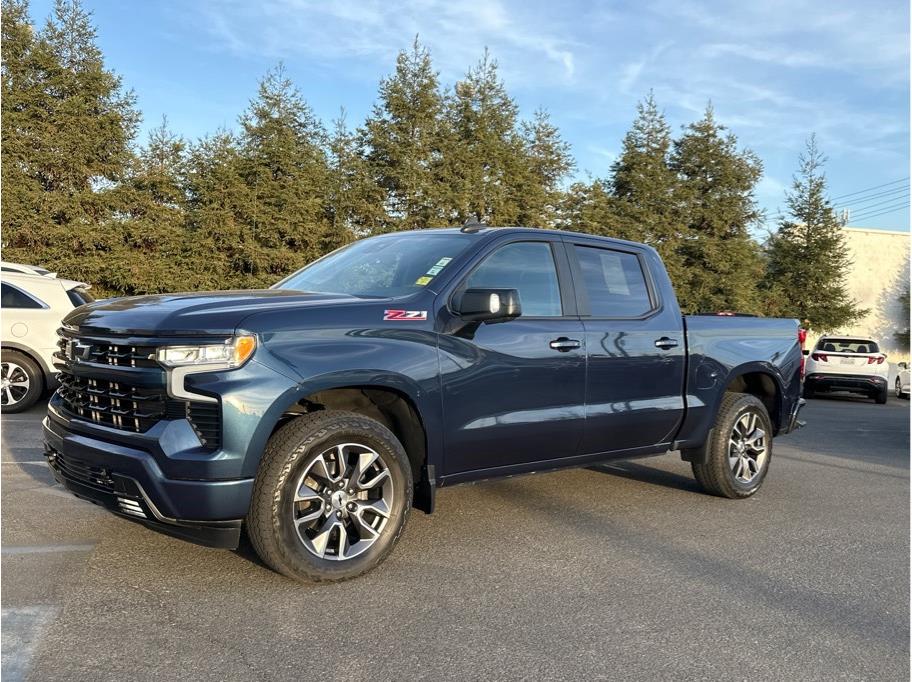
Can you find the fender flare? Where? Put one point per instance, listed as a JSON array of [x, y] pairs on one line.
[[754, 367], [426, 407]]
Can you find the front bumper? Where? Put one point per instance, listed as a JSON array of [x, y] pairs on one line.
[[129, 482], [870, 384]]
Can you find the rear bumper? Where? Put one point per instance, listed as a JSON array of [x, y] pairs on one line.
[[130, 483], [868, 384]]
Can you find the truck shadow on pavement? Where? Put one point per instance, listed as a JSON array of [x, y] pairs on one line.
[[645, 474]]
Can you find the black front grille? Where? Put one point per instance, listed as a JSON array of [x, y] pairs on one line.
[[120, 403], [78, 470], [112, 403], [106, 352]]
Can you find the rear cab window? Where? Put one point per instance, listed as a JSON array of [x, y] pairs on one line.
[[614, 282]]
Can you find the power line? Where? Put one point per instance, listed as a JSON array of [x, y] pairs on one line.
[[904, 195], [863, 200], [862, 191], [887, 209]]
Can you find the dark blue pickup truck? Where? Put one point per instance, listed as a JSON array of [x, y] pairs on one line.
[[316, 413]]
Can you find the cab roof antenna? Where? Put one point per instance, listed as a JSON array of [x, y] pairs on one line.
[[472, 225]]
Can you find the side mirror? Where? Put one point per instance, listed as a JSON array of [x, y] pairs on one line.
[[488, 305], [806, 351], [902, 365]]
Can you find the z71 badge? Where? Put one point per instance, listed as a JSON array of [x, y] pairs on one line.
[[404, 315]]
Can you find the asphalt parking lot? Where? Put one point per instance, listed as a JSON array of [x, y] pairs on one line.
[[625, 571]]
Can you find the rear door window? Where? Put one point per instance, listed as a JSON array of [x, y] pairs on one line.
[[614, 282], [11, 297]]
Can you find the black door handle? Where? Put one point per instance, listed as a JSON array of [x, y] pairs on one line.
[[563, 344], [665, 343]]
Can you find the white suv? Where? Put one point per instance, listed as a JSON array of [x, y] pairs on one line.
[[902, 380], [32, 307], [853, 364]]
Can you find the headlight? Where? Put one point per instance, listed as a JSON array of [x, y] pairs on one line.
[[206, 358]]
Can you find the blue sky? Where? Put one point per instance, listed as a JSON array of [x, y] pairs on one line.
[[775, 70]]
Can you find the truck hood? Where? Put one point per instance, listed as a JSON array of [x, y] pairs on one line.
[[206, 313]]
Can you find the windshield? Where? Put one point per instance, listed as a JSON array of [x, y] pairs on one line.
[[381, 267], [847, 346]]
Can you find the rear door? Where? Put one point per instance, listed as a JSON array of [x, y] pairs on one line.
[[513, 392], [635, 344]]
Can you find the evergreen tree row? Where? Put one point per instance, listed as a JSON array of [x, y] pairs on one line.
[[242, 208]]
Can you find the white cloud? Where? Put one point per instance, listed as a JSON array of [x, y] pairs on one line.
[[456, 32]]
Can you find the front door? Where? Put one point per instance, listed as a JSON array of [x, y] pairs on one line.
[[513, 392]]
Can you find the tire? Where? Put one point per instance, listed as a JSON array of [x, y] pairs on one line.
[[302, 460], [23, 382], [807, 392], [716, 470], [898, 388], [881, 397]]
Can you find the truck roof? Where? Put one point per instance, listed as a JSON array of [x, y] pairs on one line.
[[477, 230]]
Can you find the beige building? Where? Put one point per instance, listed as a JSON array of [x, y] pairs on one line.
[[879, 275]]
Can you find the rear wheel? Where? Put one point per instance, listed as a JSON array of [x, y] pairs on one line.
[[737, 455], [881, 397], [331, 496], [22, 382], [898, 388]]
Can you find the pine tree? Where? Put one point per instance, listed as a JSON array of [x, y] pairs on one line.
[[486, 156], [721, 263], [547, 162], [355, 201], [67, 132], [285, 166], [807, 256], [24, 60], [220, 216], [403, 138], [643, 186], [589, 207], [150, 205]]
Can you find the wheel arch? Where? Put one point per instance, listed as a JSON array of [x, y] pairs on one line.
[[762, 382], [46, 374], [393, 400], [755, 378]]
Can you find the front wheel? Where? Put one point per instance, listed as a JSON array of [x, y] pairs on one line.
[[737, 455], [331, 496]]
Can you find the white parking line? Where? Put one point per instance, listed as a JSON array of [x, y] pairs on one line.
[[23, 628], [45, 549], [27, 461]]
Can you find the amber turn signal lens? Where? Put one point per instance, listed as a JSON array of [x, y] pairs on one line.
[[243, 348]]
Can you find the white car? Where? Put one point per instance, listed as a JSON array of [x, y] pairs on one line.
[[33, 306], [843, 363], [901, 385], [25, 269]]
